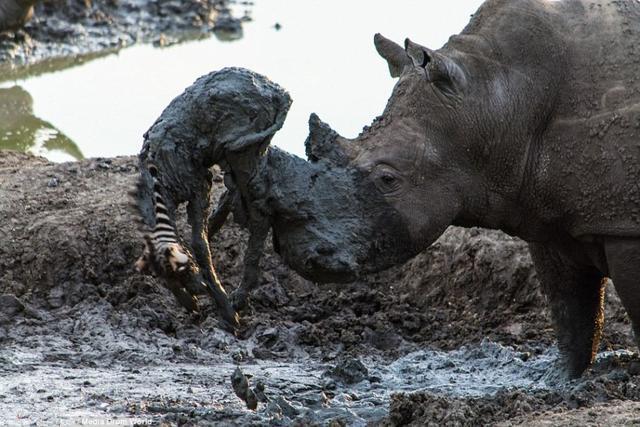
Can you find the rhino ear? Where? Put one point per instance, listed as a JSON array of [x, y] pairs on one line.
[[395, 55], [440, 70]]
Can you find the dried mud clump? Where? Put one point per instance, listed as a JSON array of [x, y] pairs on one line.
[[614, 379]]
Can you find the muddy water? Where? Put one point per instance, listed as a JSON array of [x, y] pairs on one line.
[[322, 53], [308, 392], [46, 393]]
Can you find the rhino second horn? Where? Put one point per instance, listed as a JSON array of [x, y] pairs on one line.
[[321, 142], [396, 57]]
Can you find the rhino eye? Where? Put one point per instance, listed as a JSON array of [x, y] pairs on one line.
[[387, 180]]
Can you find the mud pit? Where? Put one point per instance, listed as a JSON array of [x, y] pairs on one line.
[[459, 335]]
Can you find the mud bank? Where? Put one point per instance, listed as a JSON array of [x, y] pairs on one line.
[[458, 335], [64, 33]]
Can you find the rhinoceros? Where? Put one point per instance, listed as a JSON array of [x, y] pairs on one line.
[[528, 121]]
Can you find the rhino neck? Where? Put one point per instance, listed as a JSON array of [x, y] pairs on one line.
[[514, 97]]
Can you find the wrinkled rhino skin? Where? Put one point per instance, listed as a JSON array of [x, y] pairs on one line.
[[15, 13], [527, 122]]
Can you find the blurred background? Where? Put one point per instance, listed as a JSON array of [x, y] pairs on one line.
[[321, 51]]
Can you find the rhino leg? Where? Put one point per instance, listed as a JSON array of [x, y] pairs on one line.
[[576, 295], [623, 259], [198, 211]]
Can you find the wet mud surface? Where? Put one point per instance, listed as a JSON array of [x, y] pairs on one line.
[[459, 335], [63, 33]]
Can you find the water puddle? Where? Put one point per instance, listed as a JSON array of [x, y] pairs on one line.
[[321, 51]]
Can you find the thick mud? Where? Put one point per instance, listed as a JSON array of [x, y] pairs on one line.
[[63, 33], [459, 335]]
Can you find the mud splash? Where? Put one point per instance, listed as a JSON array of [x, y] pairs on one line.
[[456, 336]]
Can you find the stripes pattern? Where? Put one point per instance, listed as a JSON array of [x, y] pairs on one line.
[[163, 253]]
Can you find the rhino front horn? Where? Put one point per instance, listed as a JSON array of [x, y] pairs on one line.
[[321, 142]]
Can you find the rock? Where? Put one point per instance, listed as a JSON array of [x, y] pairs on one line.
[[10, 305], [56, 297], [240, 384], [634, 368], [349, 371], [288, 410]]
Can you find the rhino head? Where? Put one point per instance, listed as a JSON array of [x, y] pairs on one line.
[[362, 205], [449, 149]]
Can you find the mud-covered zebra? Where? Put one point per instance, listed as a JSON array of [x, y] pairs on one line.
[[228, 116]]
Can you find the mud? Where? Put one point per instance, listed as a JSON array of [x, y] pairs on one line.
[[66, 32], [459, 335]]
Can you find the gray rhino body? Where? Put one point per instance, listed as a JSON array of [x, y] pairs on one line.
[[528, 122]]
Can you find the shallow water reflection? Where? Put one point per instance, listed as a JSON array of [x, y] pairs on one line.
[[320, 51], [21, 130]]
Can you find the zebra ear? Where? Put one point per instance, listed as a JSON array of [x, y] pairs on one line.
[[144, 264]]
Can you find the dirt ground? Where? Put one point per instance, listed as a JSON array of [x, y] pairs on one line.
[[457, 336]]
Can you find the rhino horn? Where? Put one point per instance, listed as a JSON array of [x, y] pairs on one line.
[[441, 70], [321, 144], [395, 55]]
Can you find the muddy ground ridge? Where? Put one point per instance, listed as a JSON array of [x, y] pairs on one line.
[[458, 335]]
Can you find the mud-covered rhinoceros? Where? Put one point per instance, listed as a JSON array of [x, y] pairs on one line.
[[528, 122]]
